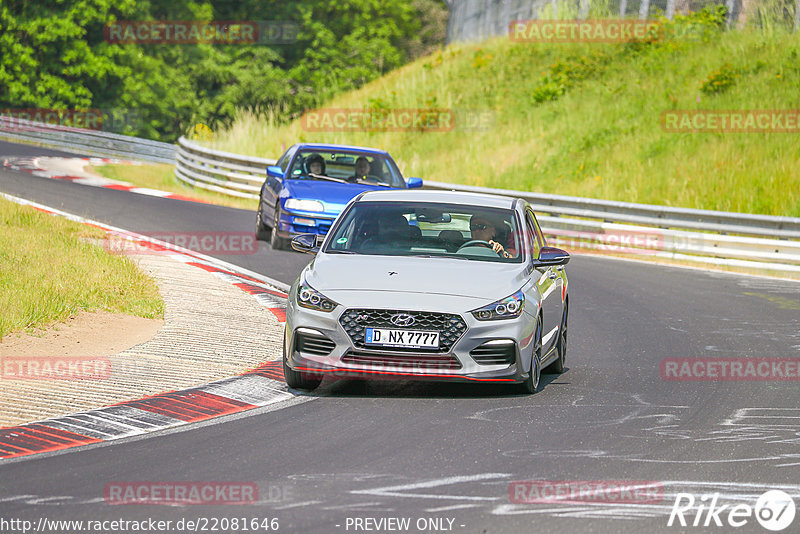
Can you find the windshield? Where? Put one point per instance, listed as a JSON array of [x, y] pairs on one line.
[[346, 167], [428, 229]]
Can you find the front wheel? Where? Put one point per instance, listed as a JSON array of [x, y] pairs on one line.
[[531, 384], [262, 232], [296, 379], [557, 367], [277, 242]]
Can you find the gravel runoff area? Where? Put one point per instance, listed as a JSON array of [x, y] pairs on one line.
[[211, 330]]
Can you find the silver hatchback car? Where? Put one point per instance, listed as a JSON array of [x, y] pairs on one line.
[[429, 285]]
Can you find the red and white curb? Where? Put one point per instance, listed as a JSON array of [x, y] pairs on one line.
[[260, 387], [71, 169], [255, 388]]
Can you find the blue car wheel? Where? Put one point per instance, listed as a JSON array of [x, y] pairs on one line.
[[277, 242]]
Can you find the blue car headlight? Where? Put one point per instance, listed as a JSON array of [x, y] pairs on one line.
[[304, 205], [507, 308], [308, 297]]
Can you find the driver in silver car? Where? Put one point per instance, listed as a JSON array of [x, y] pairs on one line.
[[494, 232]]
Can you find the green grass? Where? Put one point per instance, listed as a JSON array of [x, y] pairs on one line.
[[48, 272], [583, 119], [162, 177]]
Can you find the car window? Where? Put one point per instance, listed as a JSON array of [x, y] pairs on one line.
[[532, 237], [539, 233], [283, 163], [427, 229], [345, 166]]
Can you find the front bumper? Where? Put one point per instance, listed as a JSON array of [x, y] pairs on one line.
[[292, 224], [336, 353], [298, 363]]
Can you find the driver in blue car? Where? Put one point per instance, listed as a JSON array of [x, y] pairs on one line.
[[362, 170], [315, 165], [492, 232]]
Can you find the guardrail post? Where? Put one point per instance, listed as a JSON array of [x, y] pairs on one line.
[[797, 16], [731, 6], [644, 9], [583, 9]]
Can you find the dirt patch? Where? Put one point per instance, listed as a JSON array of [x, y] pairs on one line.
[[88, 334]]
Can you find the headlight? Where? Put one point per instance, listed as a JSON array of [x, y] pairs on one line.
[[507, 308], [304, 205], [308, 297]]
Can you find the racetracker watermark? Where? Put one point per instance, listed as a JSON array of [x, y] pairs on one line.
[[144, 524], [396, 120], [181, 493], [774, 510], [730, 369], [54, 368], [238, 32], [109, 120], [583, 31], [363, 366], [572, 491], [228, 243], [731, 121], [612, 241]]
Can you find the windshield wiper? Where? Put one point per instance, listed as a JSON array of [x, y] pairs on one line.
[[370, 182], [329, 178], [437, 256]]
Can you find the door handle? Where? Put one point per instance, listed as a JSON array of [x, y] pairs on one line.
[[552, 275]]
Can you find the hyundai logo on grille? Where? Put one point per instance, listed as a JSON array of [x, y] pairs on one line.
[[403, 319]]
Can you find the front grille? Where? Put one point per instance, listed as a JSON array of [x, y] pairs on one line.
[[450, 326], [494, 353], [313, 344], [425, 362]]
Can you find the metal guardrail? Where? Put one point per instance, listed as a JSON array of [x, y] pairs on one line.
[[662, 216], [476, 20], [716, 237], [739, 239], [223, 172], [85, 141]]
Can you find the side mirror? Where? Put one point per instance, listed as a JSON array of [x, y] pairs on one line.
[[414, 182], [306, 243], [275, 172], [550, 256]]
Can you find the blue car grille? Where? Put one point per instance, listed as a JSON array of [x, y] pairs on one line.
[[450, 327], [321, 228]]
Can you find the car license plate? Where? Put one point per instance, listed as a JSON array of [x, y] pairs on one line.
[[401, 338]]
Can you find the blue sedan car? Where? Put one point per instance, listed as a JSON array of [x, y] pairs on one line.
[[310, 185]]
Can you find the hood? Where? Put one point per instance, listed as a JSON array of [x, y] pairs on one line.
[[337, 276], [333, 195]]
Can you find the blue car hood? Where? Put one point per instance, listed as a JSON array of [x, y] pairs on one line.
[[333, 195]]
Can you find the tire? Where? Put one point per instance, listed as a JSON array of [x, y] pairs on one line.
[[262, 232], [531, 384], [557, 367], [277, 242], [296, 379]]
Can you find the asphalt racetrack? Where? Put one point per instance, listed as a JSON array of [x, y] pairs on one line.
[[356, 457]]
